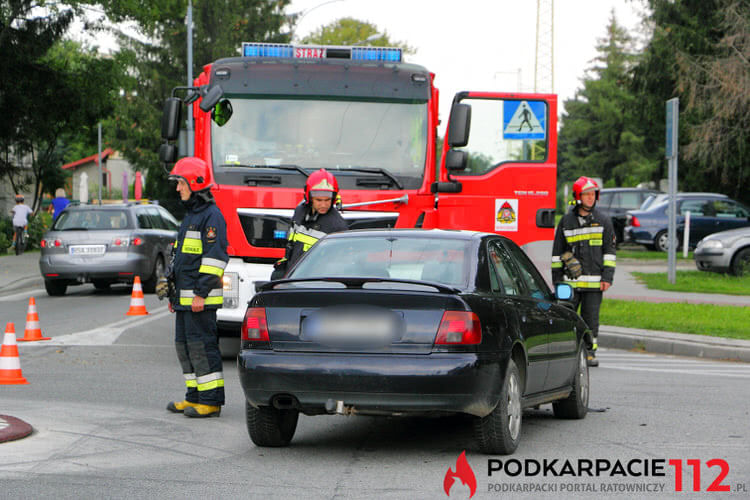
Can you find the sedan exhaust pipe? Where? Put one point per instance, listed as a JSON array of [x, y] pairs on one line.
[[284, 402], [339, 408]]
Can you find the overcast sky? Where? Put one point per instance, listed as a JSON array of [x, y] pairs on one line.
[[481, 44]]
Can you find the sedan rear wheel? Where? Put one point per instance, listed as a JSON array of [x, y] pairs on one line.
[[576, 405], [101, 284], [268, 426], [55, 288], [149, 286], [741, 263], [499, 432]]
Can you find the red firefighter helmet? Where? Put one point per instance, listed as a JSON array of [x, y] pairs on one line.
[[194, 171], [582, 185], [321, 184]]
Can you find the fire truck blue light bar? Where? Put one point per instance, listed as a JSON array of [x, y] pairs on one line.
[[267, 50], [376, 54], [280, 50]]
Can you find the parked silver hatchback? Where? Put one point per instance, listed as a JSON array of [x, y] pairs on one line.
[[106, 244], [725, 251]]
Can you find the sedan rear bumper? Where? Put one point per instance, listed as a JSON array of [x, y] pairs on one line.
[[437, 383], [82, 269]]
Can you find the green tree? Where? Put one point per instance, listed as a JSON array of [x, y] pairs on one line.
[[350, 31], [599, 136], [156, 59], [716, 89], [52, 92]]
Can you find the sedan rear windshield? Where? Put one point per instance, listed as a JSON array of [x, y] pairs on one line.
[[428, 259], [83, 220]]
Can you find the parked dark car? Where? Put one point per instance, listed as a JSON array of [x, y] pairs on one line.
[[709, 213], [725, 251], [412, 322], [615, 202], [107, 244]]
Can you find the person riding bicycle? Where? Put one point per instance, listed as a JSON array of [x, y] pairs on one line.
[[21, 213]]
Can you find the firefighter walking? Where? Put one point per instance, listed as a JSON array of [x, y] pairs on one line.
[[195, 275], [313, 218], [583, 255]]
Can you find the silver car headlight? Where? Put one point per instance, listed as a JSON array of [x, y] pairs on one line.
[[710, 244]]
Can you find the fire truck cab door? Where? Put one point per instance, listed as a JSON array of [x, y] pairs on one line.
[[498, 171]]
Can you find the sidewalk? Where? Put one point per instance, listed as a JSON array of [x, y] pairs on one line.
[[19, 272], [22, 273]]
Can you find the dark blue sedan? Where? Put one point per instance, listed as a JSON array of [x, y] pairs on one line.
[[412, 322], [709, 213]]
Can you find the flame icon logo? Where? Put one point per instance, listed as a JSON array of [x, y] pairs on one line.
[[463, 473]]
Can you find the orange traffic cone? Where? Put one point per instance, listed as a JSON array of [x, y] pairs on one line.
[[137, 304], [10, 364], [32, 331]]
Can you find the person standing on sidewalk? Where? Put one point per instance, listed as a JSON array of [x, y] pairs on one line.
[[584, 255], [21, 213], [200, 256]]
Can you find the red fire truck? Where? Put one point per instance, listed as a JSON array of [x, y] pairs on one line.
[[266, 120]]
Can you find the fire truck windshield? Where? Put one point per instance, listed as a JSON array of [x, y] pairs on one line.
[[324, 133]]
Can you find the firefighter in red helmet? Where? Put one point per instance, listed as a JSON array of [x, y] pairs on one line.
[[583, 255], [313, 218], [198, 260]]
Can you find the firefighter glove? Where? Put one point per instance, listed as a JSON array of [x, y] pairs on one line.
[[162, 288], [572, 267]]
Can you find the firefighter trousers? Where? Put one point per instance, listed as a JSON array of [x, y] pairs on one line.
[[590, 302], [197, 348]]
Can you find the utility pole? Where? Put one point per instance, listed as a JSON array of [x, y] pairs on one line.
[[190, 131]]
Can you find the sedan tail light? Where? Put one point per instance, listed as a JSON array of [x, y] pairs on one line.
[[633, 221], [459, 328], [255, 327]]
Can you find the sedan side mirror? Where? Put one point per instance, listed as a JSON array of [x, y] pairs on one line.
[[563, 291]]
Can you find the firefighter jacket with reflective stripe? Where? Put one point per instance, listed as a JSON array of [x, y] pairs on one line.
[[307, 228], [592, 241], [200, 254]]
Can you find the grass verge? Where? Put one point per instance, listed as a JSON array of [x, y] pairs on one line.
[[701, 319], [650, 255], [697, 282]]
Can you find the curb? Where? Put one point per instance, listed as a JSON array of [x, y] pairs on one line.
[[678, 344], [12, 428]]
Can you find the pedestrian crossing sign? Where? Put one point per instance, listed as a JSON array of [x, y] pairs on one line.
[[524, 120]]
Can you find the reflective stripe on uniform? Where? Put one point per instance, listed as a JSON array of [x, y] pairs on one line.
[[308, 237], [556, 262], [212, 266], [610, 260], [190, 380], [215, 296], [585, 281], [210, 381], [584, 233], [192, 243]]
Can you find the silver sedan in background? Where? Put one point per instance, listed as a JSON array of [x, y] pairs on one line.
[[725, 251]]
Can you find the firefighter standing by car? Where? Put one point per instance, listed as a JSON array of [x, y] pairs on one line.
[[195, 279], [583, 255], [313, 218]]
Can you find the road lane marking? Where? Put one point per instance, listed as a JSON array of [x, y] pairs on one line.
[[22, 295], [107, 334]]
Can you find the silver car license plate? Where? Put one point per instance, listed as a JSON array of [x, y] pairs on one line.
[[87, 250]]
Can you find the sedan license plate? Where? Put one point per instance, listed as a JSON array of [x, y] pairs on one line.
[[338, 329], [87, 250]]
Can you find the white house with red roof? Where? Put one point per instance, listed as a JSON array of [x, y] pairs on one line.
[[114, 165]]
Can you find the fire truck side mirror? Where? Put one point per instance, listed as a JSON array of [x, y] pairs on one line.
[[170, 119], [212, 97], [455, 160], [459, 125], [168, 153]]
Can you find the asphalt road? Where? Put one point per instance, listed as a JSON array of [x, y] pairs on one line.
[[97, 393]]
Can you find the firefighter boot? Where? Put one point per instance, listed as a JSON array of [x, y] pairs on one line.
[[202, 411], [591, 358], [179, 406]]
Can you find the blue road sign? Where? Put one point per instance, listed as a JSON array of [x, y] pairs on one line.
[[524, 120]]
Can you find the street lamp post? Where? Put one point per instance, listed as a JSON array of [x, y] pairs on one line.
[[190, 131], [305, 12]]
